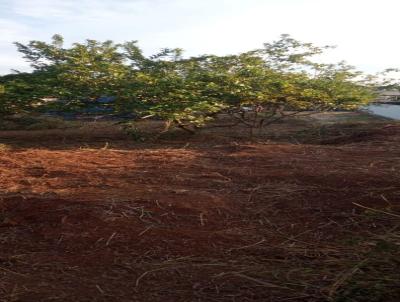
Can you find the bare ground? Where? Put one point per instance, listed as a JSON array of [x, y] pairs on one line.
[[299, 214]]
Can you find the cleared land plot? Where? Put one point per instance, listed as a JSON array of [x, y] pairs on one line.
[[205, 218]]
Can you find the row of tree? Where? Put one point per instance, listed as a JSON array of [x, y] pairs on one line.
[[280, 77]]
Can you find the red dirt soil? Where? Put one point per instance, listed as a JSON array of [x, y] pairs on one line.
[[199, 222]]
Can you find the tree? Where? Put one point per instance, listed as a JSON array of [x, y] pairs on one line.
[[282, 77], [256, 88], [23, 91], [84, 71]]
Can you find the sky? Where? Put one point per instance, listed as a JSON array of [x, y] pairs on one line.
[[364, 31]]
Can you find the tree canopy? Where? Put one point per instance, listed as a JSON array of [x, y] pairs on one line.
[[281, 76]]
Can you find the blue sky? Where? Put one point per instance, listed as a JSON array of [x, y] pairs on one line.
[[365, 31]]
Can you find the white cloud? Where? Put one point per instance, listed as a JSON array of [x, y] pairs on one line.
[[12, 62], [364, 30], [43, 8], [11, 31]]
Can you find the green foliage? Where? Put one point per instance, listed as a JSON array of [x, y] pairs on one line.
[[21, 91], [389, 79], [183, 91], [131, 129]]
